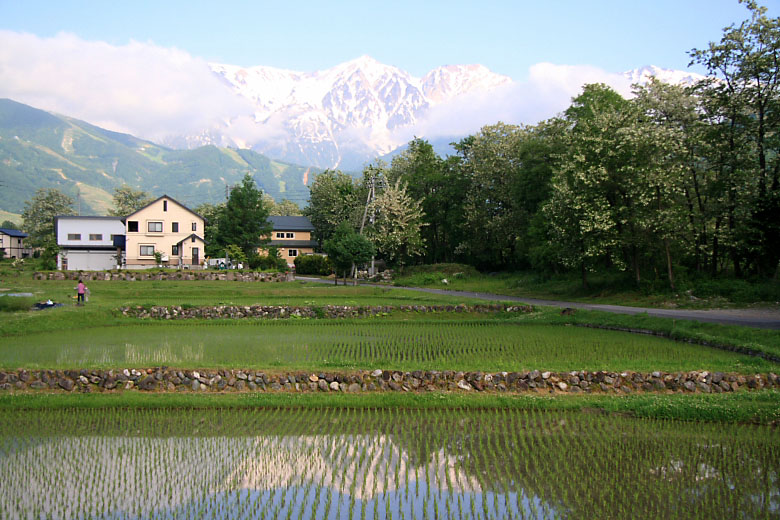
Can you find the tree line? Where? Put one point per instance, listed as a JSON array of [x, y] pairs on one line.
[[676, 178]]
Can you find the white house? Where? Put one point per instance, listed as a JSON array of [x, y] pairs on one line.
[[88, 243]]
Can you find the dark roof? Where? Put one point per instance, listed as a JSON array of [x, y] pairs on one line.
[[89, 217], [158, 200], [290, 223], [292, 243], [14, 233]]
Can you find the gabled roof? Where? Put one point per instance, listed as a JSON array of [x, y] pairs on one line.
[[158, 200], [290, 223], [189, 237], [14, 233]]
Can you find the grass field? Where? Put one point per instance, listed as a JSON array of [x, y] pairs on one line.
[[614, 288]]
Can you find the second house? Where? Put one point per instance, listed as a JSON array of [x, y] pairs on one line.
[[167, 228]]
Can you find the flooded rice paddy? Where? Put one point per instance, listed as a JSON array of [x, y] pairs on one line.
[[381, 464]]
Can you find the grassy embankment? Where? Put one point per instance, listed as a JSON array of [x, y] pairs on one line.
[[604, 288]]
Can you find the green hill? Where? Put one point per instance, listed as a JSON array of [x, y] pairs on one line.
[[43, 150]]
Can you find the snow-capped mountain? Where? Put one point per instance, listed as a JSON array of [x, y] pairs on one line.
[[351, 113], [342, 116], [642, 75]]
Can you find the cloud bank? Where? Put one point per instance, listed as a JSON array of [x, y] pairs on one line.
[[158, 93], [138, 88]]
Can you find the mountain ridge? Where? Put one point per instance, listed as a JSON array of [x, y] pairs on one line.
[[40, 149], [353, 112]]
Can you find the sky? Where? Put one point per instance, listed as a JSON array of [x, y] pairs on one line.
[[417, 36], [104, 61]]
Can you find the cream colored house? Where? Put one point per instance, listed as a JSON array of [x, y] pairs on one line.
[[291, 236], [12, 243], [167, 227]]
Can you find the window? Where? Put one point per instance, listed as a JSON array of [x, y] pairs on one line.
[[193, 240], [147, 250], [132, 226], [74, 236], [194, 226], [165, 205], [95, 236], [290, 235], [175, 250], [175, 227], [292, 252], [155, 227], [280, 235]]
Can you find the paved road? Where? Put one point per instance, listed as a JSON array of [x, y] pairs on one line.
[[758, 318]]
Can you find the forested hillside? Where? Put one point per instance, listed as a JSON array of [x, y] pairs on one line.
[[43, 150]]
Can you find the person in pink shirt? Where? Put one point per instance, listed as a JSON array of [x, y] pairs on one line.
[[81, 290]]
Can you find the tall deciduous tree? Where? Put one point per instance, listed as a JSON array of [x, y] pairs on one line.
[[211, 213], [127, 200], [333, 199], [244, 221], [746, 63], [439, 187], [39, 212], [346, 248], [397, 220]]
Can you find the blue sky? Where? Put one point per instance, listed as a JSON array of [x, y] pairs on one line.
[[417, 36]]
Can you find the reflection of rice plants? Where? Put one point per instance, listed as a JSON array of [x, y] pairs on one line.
[[301, 464]]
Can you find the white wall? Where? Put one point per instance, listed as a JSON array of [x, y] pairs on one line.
[[86, 226]]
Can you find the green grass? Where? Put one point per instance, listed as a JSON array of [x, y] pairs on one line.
[[740, 407], [414, 344], [604, 288]]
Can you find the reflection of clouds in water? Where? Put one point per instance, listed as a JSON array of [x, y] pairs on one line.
[[75, 476]]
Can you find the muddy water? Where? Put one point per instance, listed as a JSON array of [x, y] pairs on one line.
[[342, 464]]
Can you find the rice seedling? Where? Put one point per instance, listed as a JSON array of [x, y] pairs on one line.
[[415, 345], [398, 463]]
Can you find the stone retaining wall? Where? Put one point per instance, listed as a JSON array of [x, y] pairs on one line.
[[132, 276], [286, 311], [163, 379]]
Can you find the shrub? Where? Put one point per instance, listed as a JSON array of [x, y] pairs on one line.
[[272, 261], [313, 264]]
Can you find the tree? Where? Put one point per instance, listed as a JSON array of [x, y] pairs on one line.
[[333, 199], [746, 63], [286, 208], [438, 186], [7, 224], [244, 220], [398, 218], [616, 188], [211, 213], [127, 200], [39, 212], [346, 248]]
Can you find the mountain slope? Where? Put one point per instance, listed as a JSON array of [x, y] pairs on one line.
[[345, 115], [43, 150]]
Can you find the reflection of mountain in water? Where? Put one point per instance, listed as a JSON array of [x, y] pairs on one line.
[[331, 475], [374, 463]]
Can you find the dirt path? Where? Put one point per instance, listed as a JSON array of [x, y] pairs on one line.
[[757, 318]]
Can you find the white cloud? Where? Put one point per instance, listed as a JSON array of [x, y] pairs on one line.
[[547, 92], [139, 88]]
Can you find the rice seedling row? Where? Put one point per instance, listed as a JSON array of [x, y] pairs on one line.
[[402, 345], [370, 463]]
